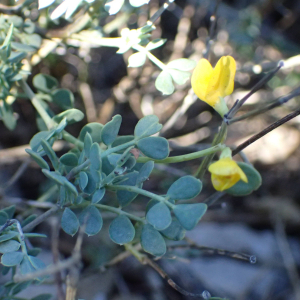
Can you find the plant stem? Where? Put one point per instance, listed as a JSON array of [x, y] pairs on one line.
[[73, 140], [140, 257], [36, 103], [119, 212], [153, 58], [137, 190], [185, 157], [218, 139], [118, 148]]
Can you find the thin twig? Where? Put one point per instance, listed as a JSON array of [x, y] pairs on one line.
[[214, 251], [212, 29], [17, 175], [164, 275], [214, 198], [258, 111], [41, 218], [265, 131]]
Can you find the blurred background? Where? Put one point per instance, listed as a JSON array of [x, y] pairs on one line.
[[265, 224]]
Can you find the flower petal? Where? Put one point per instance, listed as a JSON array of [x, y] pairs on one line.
[[243, 175], [222, 80], [224, 167], [201, 77]]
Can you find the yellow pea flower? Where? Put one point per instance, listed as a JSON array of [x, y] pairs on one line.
[[225, 173], [212, 85]]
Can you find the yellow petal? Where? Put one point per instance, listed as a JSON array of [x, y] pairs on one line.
[[243, 175], [218, 182], [222, 80], [231, 181], [201, 77], [224, 167]]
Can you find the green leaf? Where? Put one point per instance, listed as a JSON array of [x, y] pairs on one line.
[[186, 187], [36, 263], [147, 126], [154, 147], [38, 159], [10, 210], [69, 222], [189, 214], [125, 197], [50, 153], [152, 241], [73, 115], [32, 235], [110, 130], [136, 60], [159, 216], [22, 47], [92, 219], [83, 180], [3, 218], [120, 140], [164, 83], [92, 184], [70, 187], [61, 126], [16, 57], [145, 172], [42, 297], [182, 64], [26, 267], [9, 246], [180, 77], [98, 195], [94, 129], [20, 287], [35, 142], [7, 236], [242, 188], [87, 144], [69, 159], [28, 220], [121, 230], [63, 98], [95, 156], [7, 116], [155, 44], [44, 83], [55, 176], [174, 232], [113, 6], [11, 259]]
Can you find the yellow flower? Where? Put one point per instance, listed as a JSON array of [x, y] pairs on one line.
[[212, 85], [225, 173]]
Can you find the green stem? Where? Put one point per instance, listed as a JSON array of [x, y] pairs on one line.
[[139, 256], [118, 148], [220, 137], [153, 58], [119, 212], [37, 104], [185, 157], [137, 190], [73, 140]]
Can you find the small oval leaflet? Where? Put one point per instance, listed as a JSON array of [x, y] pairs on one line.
[[9, 246], [7, 236], [189, 214], [69, 159], [125, 197], [10, 259], [72, 115], [136, 59], [145, 172], [147, 126], [164, 83], [110, 130], [3, 219], [95, 156], [159, 216], [83, 180], [94, 129], [92, 219], [44, 83], [50, 153], [63, 98], [185, 188], [154, 147], [180, 77], [69, 222], [87, 144], [182, 64], [38, 159], [91, 185], [98, 195], [121, 230], [35, 142], [174, 232], [242, 188], [152, 241], [55, 176]]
